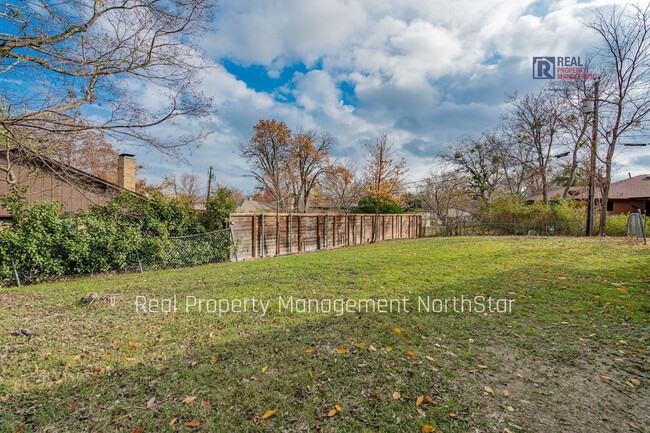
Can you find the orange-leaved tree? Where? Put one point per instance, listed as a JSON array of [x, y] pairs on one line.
[[383, 175]]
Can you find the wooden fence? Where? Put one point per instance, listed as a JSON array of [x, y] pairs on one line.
[[255, 234]]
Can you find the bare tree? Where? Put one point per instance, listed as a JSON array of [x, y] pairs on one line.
[[442, 193], [624, 102], [341, 185], [575, 125], [309, 157], [534, 122], [87, 150], [77, 66], [188, 188], [383, 174], [480, 162]]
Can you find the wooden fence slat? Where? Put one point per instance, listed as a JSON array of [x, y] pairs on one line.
[[256, 240]]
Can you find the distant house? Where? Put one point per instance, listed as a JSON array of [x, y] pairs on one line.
[[51, 180], [248, 205], [625, 196]]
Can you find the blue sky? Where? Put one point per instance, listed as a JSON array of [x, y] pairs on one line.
[[426, 72]]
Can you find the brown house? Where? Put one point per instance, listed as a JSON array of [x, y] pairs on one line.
[[625, 196], [76, 190]]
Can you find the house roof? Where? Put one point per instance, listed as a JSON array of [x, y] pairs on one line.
[[63, 171], [249, 205], [637, 187]]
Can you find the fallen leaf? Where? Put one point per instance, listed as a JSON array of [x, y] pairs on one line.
[[372, 348], [269, 414], [419, 401], [389, 349], [398, 330], [452, 414], [605, 377], [266, 367], [488, 390], [397, 395], [151, 402], [338, 407], [359, 346], [309, 350], [510, 409], [189, 400], [427, 428], [331, 413], [173, 421], [506, 430], [76, 358], [341, 350], [506, 393], [410, 353], [430, 358], [214, 359], [193, 423], [137, 430], [482, 366]]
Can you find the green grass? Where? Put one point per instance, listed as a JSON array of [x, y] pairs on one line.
[[581, 311]]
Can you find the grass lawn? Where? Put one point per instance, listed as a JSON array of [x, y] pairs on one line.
[[572, 356]]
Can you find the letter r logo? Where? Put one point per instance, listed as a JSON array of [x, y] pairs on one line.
[[543, 68]]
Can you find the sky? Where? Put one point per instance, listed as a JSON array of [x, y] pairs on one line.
[[426, 72]]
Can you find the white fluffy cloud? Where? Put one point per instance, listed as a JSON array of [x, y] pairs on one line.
[[426, 72]]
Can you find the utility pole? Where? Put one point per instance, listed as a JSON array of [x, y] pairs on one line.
[[592, 107], [210, 178]]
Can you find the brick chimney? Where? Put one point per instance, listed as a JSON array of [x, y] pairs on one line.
[[126, 166]]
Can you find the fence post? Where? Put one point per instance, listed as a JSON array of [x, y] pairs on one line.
[[262, 236], [232, 242], [360, 229], [299, 232], [254, 237], [137, 254], [290, 230], [13, 265]]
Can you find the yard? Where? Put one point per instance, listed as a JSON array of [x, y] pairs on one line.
[[571, 356]]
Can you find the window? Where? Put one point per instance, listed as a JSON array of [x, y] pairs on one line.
[[610, 205]]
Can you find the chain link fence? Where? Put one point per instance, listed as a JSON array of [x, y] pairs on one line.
[[185, 251], [154, 253], [469, 227]]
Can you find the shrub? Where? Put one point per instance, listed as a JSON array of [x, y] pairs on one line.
[[370, 205], [43, 243], [219, 209], [508, 214]]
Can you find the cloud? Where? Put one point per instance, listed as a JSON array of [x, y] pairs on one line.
[[427, 73]]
